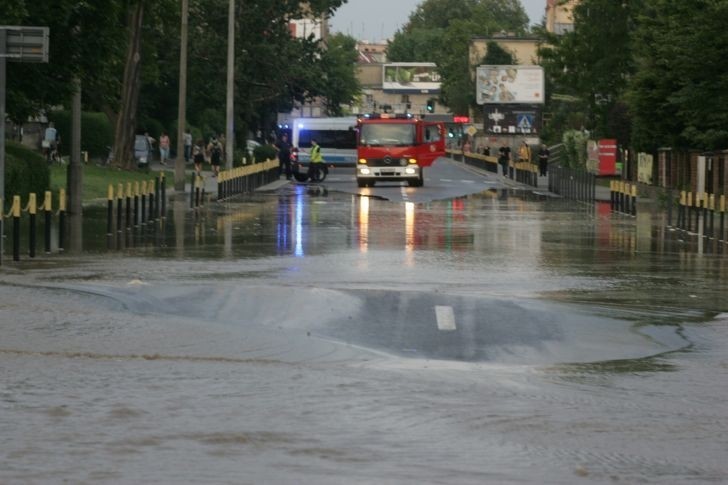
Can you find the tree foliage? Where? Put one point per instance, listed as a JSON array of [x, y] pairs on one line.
[[593, 63], [650, 73], [91, 40], [440, 31], [679, 92]]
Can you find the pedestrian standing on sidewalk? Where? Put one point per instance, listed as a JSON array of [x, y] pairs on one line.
[[198, 154], [215, 151], [524, 152], [163, 148], [504, 158], [284, 156], [187, 137], [543, 160]]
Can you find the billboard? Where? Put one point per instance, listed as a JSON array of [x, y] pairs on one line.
[[515, 119], [411, 78], [509, 85]]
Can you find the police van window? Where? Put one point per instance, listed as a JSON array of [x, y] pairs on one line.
[[339, 139]]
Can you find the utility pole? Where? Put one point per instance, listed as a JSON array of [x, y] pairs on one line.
[[74, 175], [179, 162], [229, 121]]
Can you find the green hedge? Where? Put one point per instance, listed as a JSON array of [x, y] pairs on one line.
[[264, 152], [26, 171], [97, 134]]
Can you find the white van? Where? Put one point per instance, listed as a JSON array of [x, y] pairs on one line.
[[336, 136]]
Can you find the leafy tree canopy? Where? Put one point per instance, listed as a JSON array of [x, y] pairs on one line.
[[440, 31]]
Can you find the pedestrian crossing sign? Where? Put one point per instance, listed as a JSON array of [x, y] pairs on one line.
[[524, 122]]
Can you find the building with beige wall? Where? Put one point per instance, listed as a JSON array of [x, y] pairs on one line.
[[523, 49], [560, 16]]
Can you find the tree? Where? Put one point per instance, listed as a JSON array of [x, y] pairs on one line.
[[593, 62], [440, 31], [338, 64], [497, 56], [681, 84]]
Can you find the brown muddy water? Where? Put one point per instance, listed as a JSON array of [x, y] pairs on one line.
[[311, 336]]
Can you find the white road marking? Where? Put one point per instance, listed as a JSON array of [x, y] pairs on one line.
[[445, 318], [404, 193]]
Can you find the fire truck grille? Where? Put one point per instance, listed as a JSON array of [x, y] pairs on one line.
[[385, 162]]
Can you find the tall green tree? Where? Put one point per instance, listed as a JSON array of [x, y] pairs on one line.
[[594, 62], [680, 90], [338, 64], [440, 31]]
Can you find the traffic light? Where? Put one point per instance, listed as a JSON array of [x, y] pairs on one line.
[[430, 105]]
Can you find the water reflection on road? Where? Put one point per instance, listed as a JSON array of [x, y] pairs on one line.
[[320, 336]]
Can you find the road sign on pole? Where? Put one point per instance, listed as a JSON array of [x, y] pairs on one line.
[[25, 44]]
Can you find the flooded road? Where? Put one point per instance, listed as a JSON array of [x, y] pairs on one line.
[[318, 335]]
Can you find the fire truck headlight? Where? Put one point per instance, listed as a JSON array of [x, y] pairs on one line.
[[403, 162], [413, 161], [364, 171], [363, 161], [410, 170]]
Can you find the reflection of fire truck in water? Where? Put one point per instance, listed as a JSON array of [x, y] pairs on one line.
[[396, 148]]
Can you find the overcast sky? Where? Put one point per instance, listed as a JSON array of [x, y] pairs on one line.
[[376, 20]]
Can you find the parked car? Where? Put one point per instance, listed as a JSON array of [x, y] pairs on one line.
[[142, 151]]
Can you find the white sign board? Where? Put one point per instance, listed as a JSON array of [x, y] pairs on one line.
[[509, 85], [411, 77], [25, 44]]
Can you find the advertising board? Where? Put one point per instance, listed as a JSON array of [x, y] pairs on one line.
[[509, 85], [645, 162], [515, 119], [411, 77], [608, 157]]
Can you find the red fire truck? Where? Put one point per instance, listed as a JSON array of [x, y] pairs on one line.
[[396, 148]]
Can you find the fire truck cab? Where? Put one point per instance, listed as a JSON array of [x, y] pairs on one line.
[[396, 148]]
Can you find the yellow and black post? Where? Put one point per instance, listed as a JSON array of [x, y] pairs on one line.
[[689, 207], [634, 199], [32, 211], [136, 204], [144, 202], [722, 218], [128, 206], [152, 200], [119, 206], [193, 183], [156, 197], [62, 220], [611, 195], [202, 191], [109, 209], [711, 214], [48, 212], [15, 214], [163, 194]]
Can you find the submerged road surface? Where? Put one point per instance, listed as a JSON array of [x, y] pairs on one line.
[[471, 331]]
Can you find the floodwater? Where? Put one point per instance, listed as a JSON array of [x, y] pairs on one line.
[[314, 336]]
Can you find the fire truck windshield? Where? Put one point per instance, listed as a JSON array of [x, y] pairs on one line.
[[387, 134]]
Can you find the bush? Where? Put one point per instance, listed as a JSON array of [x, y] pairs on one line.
[[97, 134], [575, 148], [25, 171], [264, 152]]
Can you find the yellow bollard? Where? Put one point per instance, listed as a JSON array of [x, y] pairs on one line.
[[32, 204]]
